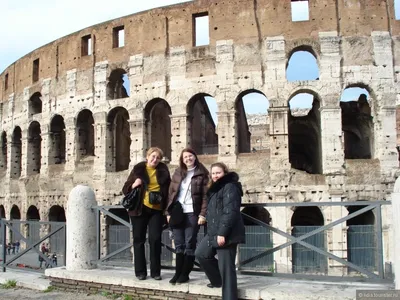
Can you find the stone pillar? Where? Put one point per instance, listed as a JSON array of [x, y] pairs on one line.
[[180, 136], [100, 81], [139, 141], [275, 59], [331, 144], [26, 157], [47, 105], [330, 70], [9, 157], [11, 104], [45, 147], [279, 138], [25, 99], [227, 137], [71, 83], [81, 229], [396, 232], [336, 237], [100, 142], [70, 144], [135, 73], [224, 57]]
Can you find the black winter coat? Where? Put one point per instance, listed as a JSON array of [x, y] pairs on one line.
[[139, 171], [223, 210]]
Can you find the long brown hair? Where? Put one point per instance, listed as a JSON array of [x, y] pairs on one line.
[[182, 164]]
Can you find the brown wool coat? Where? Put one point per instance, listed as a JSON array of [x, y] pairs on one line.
[[139, 171], [199, 186]]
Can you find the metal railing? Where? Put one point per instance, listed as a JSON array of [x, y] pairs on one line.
[[309, 254], [28, 254]]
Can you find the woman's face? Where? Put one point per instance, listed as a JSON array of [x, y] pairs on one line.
[[188, 159], [153, 159], [217, 173]]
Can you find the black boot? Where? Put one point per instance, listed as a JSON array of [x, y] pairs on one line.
[[187, 268], [180, 259]]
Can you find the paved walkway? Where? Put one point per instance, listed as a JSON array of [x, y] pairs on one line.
[[250, 287]]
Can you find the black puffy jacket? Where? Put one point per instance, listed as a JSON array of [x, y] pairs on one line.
[[223, 210]]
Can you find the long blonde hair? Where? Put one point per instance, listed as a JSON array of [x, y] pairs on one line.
[[221, 165]]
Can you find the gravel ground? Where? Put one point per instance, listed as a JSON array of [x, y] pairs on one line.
[[22, 294]]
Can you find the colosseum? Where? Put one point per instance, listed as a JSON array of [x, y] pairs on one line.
[[83, 109]]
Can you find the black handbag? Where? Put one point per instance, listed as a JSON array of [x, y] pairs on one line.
[[177, 215], [131, 200], [155, 198]]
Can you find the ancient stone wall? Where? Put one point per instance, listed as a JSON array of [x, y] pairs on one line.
[[355, 43]]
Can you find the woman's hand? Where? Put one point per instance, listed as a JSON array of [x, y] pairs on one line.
[[168, 217], [220, 240], [137, 182], [201, 220]]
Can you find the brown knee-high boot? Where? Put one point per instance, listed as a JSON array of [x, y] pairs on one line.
[[187, 268], [179, 262]]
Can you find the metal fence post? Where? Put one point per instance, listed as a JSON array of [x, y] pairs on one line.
[[396, 231]]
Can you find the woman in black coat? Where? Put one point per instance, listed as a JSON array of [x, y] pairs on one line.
[[225, 230]]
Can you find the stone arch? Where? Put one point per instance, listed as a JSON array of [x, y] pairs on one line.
[[361, 239], [34, 149], [15, 214], [254, 136], [85, 134], [3, 153], [357, 124], [16, 153], [306, 45], [257, 212], [118, 235], [35, 104], [2, 212], [115, 85], [305, 150], [304, 260], [57, 241], [158, 125], [33, 226], [201, 127], [303, 57], [57, 140], [118, 140]]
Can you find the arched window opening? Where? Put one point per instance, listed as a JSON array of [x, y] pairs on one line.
[[305, 260], [357, 124], [34, 149], [361, 239], [118, 85], [118, 235], [203, 138], [258, 239], [15, 217], [16, 152], [33, 225], [119, 140], [2, 212], [57, 219], [158, 126], [305, 134], [252, 122], [3, 157], [85, 131], [302, 65], [57, 138], [35, 104]]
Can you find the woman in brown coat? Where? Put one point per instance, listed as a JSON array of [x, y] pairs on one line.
[[153, 178], [189, 187]]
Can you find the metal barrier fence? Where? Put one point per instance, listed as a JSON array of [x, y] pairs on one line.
[[308, 251], [21, 243]]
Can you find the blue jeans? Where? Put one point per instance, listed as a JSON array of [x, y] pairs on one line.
[[186, 236]]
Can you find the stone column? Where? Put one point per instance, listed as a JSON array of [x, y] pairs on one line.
[[47, 106], [227, 137], [139, 141], [331, 144], [396, 232], [81, 229], [70, 145], [100, 80], [275, 64], [100, 143], [25, 155], [45, 147], [71, 83], [224, 57], [180, 135], [279, 138]]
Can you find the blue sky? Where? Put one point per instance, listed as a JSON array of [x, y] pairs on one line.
[[26, 25]]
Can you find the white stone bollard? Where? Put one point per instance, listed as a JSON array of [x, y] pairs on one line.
[[81, 229], [396, 231]]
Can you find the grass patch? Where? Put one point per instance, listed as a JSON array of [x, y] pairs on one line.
[[10, 284], [49, 289], [127, 297]]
